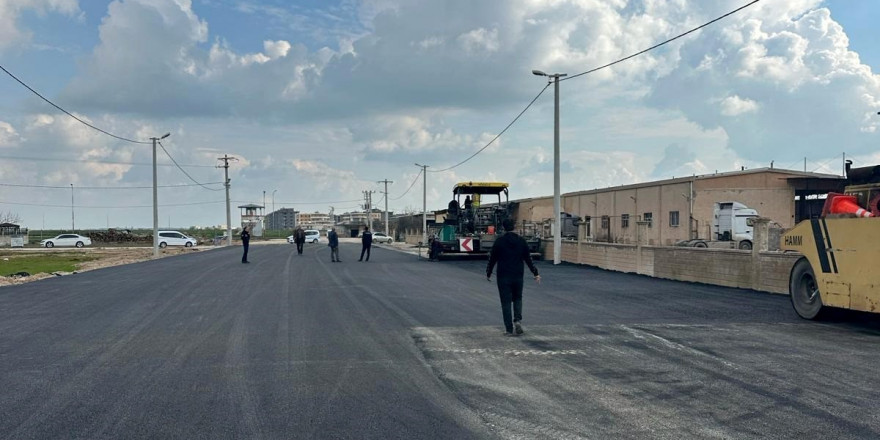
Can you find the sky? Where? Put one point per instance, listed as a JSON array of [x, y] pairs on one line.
[[319, 100]]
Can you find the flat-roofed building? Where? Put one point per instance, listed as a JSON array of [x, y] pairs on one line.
[[683, 208]]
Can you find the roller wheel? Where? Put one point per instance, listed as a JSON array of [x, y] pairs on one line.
[[804, 290]]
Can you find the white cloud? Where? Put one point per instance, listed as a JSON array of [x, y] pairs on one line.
[[734, 105], [11, 35], [479, 40], [9, 137]]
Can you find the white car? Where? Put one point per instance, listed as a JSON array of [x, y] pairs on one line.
[[174, 238], [313, 236], [379, 237], [67, 240]]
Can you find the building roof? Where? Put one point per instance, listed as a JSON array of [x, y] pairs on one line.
[[251, 205], [786, 174]]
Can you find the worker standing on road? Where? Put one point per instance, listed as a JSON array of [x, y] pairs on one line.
[[366, 243], [510, 251], [333, 240], [299, 237], [245, 242]]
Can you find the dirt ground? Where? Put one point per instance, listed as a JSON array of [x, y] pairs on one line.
[[106, 257]]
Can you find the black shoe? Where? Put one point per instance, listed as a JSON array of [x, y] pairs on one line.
[[245, 262], [360, 260], [506, 333], [518, 328], [332, 261]]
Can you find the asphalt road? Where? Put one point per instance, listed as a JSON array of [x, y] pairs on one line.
[[290, 346]]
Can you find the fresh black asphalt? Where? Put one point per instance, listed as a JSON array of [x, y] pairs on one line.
[[290, 346]]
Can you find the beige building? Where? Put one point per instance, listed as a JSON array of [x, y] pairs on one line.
[[314, 220], [683, 208]]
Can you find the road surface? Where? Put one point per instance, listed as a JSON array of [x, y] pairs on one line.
[[290, 346]]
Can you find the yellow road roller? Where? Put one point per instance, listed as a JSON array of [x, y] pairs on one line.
[[840, 250]]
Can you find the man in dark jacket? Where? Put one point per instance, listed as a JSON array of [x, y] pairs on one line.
[[245, 243], [366, 243], [333, 240], [510, 251], [299, 237]]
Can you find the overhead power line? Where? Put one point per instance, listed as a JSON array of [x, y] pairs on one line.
[[69, 113], [496, 136], [410, 187], [184, 171], [109, 207], [15, 185], [662, 43], [111, 162]]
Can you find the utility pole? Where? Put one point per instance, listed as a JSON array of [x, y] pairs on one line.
[[386, 182], [156, 197], [226, 158], [557, 203], [424, 203], [368, 206], [72, 218]]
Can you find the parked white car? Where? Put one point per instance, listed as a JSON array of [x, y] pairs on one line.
[[67, 240], [379, 237], [174, 238], [313, 236]]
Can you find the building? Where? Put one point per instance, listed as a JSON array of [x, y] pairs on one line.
[[284, 218], [683, 208], [314, 220]]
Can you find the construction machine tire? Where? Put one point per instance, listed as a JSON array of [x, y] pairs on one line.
[[745, 245], [701, 244], [804, 290]]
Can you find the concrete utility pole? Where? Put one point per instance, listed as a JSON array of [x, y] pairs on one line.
[[386, 182], [72, 218], [156, 198], [226, 158], [557, 202], [424, 203]]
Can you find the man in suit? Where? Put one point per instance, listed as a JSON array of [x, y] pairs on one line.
[[245, 243]]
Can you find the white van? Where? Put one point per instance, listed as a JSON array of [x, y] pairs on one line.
[[174, 238], [312, 235]]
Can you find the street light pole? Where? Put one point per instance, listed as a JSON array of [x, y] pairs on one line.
[[557, 198], [156, 198], [274, 226], [424, 203]]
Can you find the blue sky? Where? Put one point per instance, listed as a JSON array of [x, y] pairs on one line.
[[319, 100]]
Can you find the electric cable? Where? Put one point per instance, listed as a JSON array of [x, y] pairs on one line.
[[109, 207], [111, 162], [496, 136], [661, 44], [410, 187], [68, 113], [184, 171], [15, 185]]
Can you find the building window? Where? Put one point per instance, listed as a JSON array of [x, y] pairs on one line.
[[605, 221], [649, 217], [673, 219], [624, 220]]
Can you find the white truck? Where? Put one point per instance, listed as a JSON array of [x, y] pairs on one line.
[[731, 228]]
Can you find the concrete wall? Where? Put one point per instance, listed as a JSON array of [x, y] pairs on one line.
[[764, 271]]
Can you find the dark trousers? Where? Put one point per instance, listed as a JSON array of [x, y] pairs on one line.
[[510, 292], [244, 256], [365, 248], [299, 246], [334, 253]]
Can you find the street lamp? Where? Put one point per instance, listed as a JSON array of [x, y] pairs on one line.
[[557, 208], [156, 198], [424, 203], [274, 226]]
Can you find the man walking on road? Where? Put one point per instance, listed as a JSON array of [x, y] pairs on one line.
[[299, 237], [245, 242], [333, 240], [366, 243], [510, 251]]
